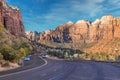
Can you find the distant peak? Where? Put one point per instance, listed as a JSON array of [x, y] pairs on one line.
[[82, 21], [107, 17], [47, 31], [70, 22], [96, 22], [86, 22]]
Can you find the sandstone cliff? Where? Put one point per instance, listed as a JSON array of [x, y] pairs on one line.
[[84, 33], [11, 18]]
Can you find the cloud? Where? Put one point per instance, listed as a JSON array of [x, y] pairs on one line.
[[63, 11], [67, 9], [114, 2], [89, 7], [47, 14]]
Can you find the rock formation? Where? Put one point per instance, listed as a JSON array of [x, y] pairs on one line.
[[33, 36], [84, 31], [11, 18]]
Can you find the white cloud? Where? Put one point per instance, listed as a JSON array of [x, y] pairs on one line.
[[91, 8], [112, 6], [68, 9], [62, 12], [114, 2]]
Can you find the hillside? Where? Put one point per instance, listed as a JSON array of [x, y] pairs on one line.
[[110, 46], [13, 44], [12, 48], [11, 18]]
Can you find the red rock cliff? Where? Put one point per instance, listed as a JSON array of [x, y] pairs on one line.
[[11, 18], [85, 31]]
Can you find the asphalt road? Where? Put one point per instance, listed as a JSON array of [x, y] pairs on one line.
[[67, 70]]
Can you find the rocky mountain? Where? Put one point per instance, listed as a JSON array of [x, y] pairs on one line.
[[11, 18], [83, 33]]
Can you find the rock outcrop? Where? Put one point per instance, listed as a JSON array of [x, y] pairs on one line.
[[79, 32], [85, 32], [33, 36], [59, 35], [11, 18]]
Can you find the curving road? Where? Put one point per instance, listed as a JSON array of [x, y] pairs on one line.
[[66, 70]]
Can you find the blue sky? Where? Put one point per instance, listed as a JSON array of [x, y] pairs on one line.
[[40, 15]]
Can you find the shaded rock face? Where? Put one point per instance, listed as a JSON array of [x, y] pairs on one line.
[[85, 31], [11, 18], [59, 35]]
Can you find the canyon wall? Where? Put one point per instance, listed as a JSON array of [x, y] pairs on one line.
[[11, 18]]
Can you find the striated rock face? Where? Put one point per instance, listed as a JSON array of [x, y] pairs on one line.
[[11, 18], [79, 32], [85, 32]]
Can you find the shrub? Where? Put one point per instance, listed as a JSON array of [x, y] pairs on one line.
[[99, 56], [76, 56], [24, 45], [66, 55], [5, 51], [22, 51]]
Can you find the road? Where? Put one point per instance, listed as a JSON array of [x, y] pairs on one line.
[[67, 70]]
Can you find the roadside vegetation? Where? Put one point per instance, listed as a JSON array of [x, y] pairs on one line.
[[58, 54], [12, 48], [63, 55], [97, 56], [85, 56]]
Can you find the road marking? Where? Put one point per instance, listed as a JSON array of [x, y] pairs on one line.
[[27, 69]]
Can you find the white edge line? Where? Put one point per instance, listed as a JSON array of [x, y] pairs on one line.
[[27, 69]]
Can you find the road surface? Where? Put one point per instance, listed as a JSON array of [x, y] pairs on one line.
[[67, 70]]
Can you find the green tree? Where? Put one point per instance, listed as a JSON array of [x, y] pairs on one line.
[[66, 55], [5, 51]]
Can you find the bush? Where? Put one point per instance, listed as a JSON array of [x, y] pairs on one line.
[[55, 54], [22, 51], [66, 55], [13, 54], [24, 45], [99, 56], [5, 51]]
